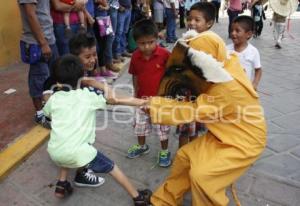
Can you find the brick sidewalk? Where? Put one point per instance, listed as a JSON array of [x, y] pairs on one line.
[[16, 109]]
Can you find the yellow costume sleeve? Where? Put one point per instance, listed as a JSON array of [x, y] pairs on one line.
[[173, 112]]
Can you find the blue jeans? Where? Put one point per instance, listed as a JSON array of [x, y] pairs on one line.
[[39, 73], [62, 43], [171, 25], [123, 23], [114, 20]]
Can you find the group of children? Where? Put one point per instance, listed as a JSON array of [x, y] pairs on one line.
[[70, 146]]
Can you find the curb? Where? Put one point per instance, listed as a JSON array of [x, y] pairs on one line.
[[17, 152]]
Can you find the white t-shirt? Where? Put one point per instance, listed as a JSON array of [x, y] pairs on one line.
[[249, 58]]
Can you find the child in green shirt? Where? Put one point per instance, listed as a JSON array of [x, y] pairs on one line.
[[73, 114]]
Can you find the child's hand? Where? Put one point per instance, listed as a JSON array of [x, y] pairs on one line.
[[146, 108]]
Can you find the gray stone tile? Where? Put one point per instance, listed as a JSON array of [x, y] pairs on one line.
[[278, 165], [12, 195], [274, 128], [289, 121], [266, 153], [283, 142], [276, 192], [296, 152]]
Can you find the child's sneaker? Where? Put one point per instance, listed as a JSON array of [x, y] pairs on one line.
[[137, 150], [164, 158], [63, 189], [109, 74], [143, 199], [87, 178], [43, 121]]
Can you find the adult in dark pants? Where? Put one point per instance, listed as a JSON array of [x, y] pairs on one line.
[[123, 22], [181, 14], [105, 56], [217, 4], [234, 8], [171, 7], [57, 12]]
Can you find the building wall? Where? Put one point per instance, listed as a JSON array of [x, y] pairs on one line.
[[10, 30]]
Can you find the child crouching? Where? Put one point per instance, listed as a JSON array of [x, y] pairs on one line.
[[73, 114]]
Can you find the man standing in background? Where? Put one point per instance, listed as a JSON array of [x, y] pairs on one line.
[[38, 41]]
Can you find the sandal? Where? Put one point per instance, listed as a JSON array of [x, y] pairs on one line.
[[63, 189], [143, 199]]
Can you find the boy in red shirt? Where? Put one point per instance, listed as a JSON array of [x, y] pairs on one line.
[[147, 67]]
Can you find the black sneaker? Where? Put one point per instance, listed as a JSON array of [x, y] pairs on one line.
[[277, 46], [87, 178], [43, 121], [143, 199]]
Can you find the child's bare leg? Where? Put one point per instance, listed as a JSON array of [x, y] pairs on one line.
[[68, 30], [63, 187], [141, 197], [141, 140], [120, 177], [63, 173], [67, 20], [81, 18], [164, 144]]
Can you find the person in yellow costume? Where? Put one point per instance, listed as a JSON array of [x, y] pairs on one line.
[[230, 109]]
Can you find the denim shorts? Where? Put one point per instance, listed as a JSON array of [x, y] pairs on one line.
[[101, 164]]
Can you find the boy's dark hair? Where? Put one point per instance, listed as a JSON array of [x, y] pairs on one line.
[[246, 22], [81, 41], [144, 27], [207, 9], [67, 69]]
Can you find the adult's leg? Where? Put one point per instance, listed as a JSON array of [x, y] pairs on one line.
[[181, 16], [170, 19], [38, 74], [123, 42], [62, 42], [118, 35], [218, 4], [231, 15], [101, 45]]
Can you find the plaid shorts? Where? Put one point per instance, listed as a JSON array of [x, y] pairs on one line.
[[143, 126], [192, 129]]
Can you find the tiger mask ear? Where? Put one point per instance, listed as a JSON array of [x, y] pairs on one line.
[[211, 69], [178, 55]]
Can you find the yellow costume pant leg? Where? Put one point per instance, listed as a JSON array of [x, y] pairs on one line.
[[206, 166], [172, 190]]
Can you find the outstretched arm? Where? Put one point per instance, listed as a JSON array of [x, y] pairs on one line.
[[111, 96]]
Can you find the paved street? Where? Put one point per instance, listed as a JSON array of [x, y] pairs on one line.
[[274, 180]]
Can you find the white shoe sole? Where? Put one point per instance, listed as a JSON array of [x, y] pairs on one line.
[[101, 182]]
